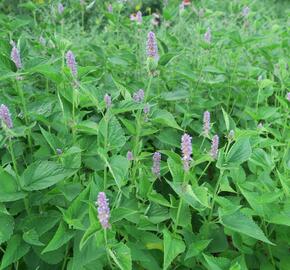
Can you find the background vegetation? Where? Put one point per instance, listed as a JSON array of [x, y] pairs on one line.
[[67, 144]]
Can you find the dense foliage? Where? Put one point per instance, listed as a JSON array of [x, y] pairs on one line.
[[154, 142]]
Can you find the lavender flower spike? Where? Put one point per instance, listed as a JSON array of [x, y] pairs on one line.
[[288, 96], [60, 8], [130, 155], [139, 17], [108, 101], [207, 35], [152, 49], [5, 116], [206, 123], [246, 11], [15, 56], [103, 210], [110, 8], [71, 63], [186, 149], [214, 147], [156, 163]]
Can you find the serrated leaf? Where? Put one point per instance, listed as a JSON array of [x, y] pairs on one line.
[[9, 190], [239, 152], [165, 118], [6, 227], [61, 237], [238, 222], [172, 248], [43, 174], [16, 249], [121, 255]]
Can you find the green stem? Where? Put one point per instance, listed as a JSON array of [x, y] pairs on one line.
[[214, 195], [105, 148], [205, 169], [21, 94], [107, 249], [268, 246]]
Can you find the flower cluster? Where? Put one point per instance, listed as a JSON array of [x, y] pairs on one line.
[[71, 63], [103, 210], [60, 8], [152, 49], [206, 123], [130, 155], [139, 95], [5, 116], [214, 147], [15, 56], [108, 101], [136, 17], [207, 35], [186, 149], [156, 163]]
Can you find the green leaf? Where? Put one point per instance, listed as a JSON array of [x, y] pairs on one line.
[[115, 134], [196, 198], [43, 174], [6, 227], [238, 222], [121, 255], [61, 237], [217, 263], [16, 249], [172, 248], [196, 248], [31, 237], [239, 152], [165, 118], [226, 118], [119, 166], [9, 190]]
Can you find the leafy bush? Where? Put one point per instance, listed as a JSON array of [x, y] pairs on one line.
[[125, 149]]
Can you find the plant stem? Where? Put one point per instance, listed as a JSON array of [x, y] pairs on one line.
[[205, 169], [106, 119], [215, 194], [108, 255], [21, 94]]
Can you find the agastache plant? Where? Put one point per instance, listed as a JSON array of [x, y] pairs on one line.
[[214, 147], [206, 123], [152, 48], [5, 116], [186, 149], [288, 96], [15, 56], [103, 210], [246, 11], [156, 164], [71, 63]]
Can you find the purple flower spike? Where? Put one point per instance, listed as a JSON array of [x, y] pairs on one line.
[[60, 8], [207, 35], [156, 163], [186, 149], [139, 17], [71, 63], [108, 101], [110, 8], [246, 11], [103, 210], [214, 147], [206, 123], [152, 49], [5, 116], [288, 96], [139, 95], [15, 56], [130, 155]]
